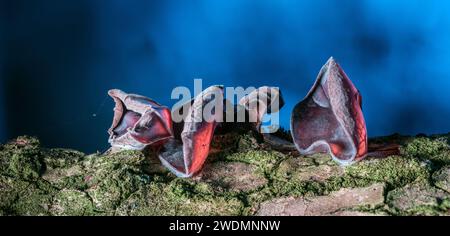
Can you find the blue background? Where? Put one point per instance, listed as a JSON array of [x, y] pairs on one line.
[[59, 58]]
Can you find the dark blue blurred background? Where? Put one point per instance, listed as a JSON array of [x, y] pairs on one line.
[[59, 58]]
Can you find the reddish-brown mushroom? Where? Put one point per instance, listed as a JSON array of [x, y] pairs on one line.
[[138, 122], [330, 118], [187, 158], [261, 101]]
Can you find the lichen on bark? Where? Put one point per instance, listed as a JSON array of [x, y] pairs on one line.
[[242, 176]]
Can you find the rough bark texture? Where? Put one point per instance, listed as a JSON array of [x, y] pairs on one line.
[[242, 176]]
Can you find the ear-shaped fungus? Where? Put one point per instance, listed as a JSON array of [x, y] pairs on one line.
[[138, 122], [186, 158], [330, 118], [261, 101]]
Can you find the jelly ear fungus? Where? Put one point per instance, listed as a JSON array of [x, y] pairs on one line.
[[187, 157], [330, 118], [138, 122]]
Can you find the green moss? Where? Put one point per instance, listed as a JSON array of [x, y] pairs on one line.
[[97, 168], [418, 199], [264, 160], [249, 141], [25, 165], [113, 161], [72, 202], [253, 200], [22, 159], [441, 178], [23, 141], [297, 176], [179, 197], [395, 171], [110, 179], [441, 159], [24, 198], [37, 181], [187, 188], [62, 158], [10, 190], [113, 189], [321, 178], [34, 204], [316, 167], [70, 177], [434, 149]]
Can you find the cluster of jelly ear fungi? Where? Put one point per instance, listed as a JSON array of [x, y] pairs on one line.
[[183, 146], [329, 119]]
